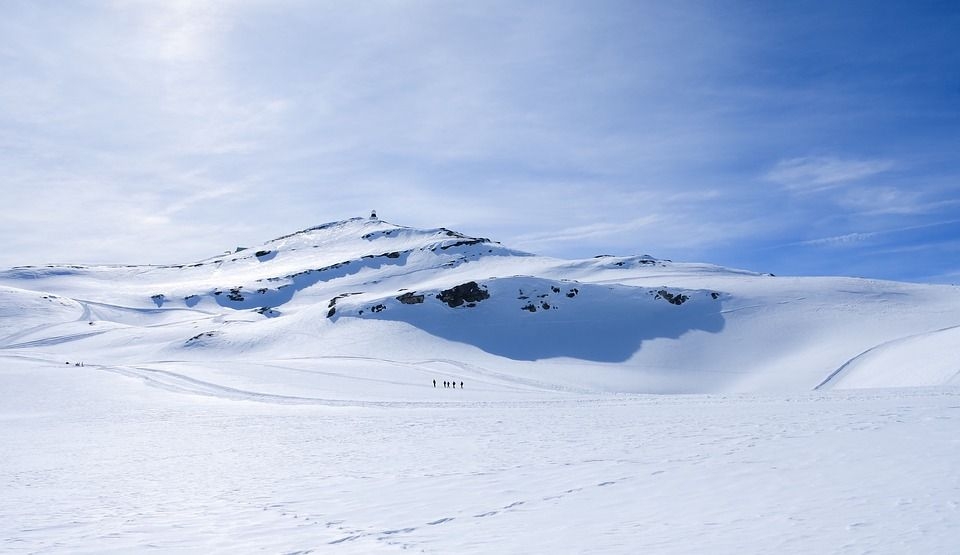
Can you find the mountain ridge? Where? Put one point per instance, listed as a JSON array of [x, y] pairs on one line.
[[369, 288]]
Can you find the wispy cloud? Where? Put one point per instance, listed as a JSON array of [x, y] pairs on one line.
[[847, 240], [820, 173], [858, 238], [893, 201]]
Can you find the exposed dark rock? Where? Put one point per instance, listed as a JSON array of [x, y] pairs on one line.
[[465, 242], [467, 292], [235, 294], [392, 255], [715, 295], [378, 308], [333, 303], [158, 299], [410, 298], [545, 305], [573, 292], [671, 298], [259, 254], [554, 288], [529, 307], [450, 233], [201, 336]]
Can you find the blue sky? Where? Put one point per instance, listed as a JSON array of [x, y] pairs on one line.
[[802, 138]]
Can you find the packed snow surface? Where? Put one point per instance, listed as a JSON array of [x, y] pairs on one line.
[[108, 460], [293, 397]]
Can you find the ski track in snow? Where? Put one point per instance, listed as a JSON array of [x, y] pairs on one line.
[[101, 464], [838, 373], [180, 383]]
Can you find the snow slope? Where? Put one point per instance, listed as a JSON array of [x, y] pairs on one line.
[[376, 291], [370, 289]]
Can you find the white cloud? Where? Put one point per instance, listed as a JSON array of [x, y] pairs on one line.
[[821, 173], [846, 240]]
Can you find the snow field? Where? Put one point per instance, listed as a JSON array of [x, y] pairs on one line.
[[98, 462]]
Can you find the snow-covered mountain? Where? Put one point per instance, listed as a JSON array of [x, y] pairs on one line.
[[367, 299], [292, 398]]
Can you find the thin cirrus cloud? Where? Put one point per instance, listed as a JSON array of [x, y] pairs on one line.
[[821, 173]]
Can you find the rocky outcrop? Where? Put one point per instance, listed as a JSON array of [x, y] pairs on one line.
[[469, 293], [410, 298], [677, 299]]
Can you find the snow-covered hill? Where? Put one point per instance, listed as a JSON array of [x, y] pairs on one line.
[[405, 305], [293, 398]]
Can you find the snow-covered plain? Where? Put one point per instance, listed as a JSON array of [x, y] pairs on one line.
[[281, 399]]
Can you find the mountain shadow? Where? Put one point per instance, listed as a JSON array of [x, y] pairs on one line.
[[598, 323]]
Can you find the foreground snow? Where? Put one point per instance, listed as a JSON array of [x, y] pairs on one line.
[[106, 459]]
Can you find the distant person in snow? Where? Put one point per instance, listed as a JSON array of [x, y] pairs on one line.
[[461, 385], [434, 383], [454, 384]]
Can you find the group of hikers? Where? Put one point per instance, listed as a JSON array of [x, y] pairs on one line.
[[448, 384]]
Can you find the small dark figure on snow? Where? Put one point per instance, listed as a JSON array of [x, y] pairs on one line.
[[454, 385], [434, 383], [461, 385]]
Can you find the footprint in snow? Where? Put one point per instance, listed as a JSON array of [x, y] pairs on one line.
[[399, 531], [346, 539]]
